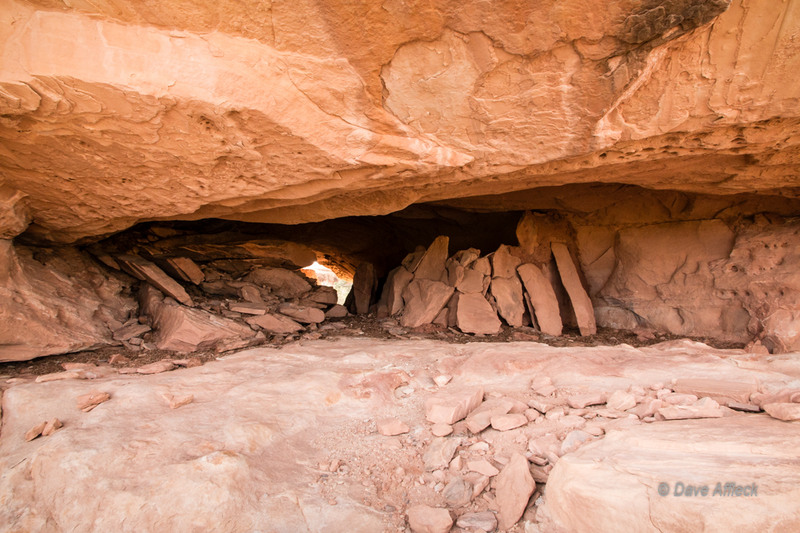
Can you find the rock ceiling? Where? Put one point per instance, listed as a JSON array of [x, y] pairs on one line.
[[116, 112]]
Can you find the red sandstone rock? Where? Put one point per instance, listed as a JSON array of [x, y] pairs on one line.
[[392, 426], [282, 282], [147, 271], [543, 299], [432, 265], [458, 492], [504, 265], [156, 368], [337, 311], [392, 295], [365, 283], [440, 453], [579, 401], [131, 330], [722, 391], [507, 292], [509, 421], [482, 466], [483, 521], [179, 400], [513, 487], [621, 401], [248, 308], [186, 269], [451, 406], [51, 426], [35, 431], [324, 295], [527, 233], [581, 303], [411, 261], [305, 315], [481, 417], [56, 376], [56, 301], [783, 411], [425, 519], [118, 359], [87, 402], [441, 430], [472, 282], [703, 408], [181, 329], [473, 314], [275, 323], [423, 300]]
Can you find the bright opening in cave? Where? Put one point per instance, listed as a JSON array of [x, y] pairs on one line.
[[328, 278]]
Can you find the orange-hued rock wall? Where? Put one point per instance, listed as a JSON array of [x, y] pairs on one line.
[[120, 112], [664, 135]]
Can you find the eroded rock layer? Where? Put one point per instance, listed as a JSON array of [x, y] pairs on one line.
[[295, 112]]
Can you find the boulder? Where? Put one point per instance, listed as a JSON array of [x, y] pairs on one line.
[[703, 408], [432, 265], [543, 299], [508, 421], [513, 488], [621, 400], [392, 294], [365, 283], [186, 269], [481, 417], [426, 519], [783, 411], [504, 264], [448, 407], [149, 272], [458, 492], [186, 330], [527, 234], [473, 314], [324, 295], [302, 314], [59, 301], [483, 521], [570, 278], [337, 311], [423, 299], [273, 323], [507, 293], [471, 282], [439, 453], [282, 282], [639, 479]]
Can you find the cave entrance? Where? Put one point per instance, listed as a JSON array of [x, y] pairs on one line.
[[550, 261]]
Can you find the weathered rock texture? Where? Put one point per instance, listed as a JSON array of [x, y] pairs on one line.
[[633, 464], [309, 112], [276, 440], [300, 112], [56, 301]]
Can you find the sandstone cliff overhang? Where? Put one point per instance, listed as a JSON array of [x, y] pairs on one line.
[[119, 112]]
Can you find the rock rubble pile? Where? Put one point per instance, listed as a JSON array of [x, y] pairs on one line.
[[225, 311], [537, 283]]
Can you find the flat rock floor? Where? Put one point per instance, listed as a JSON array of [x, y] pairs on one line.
[[285, 439]]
